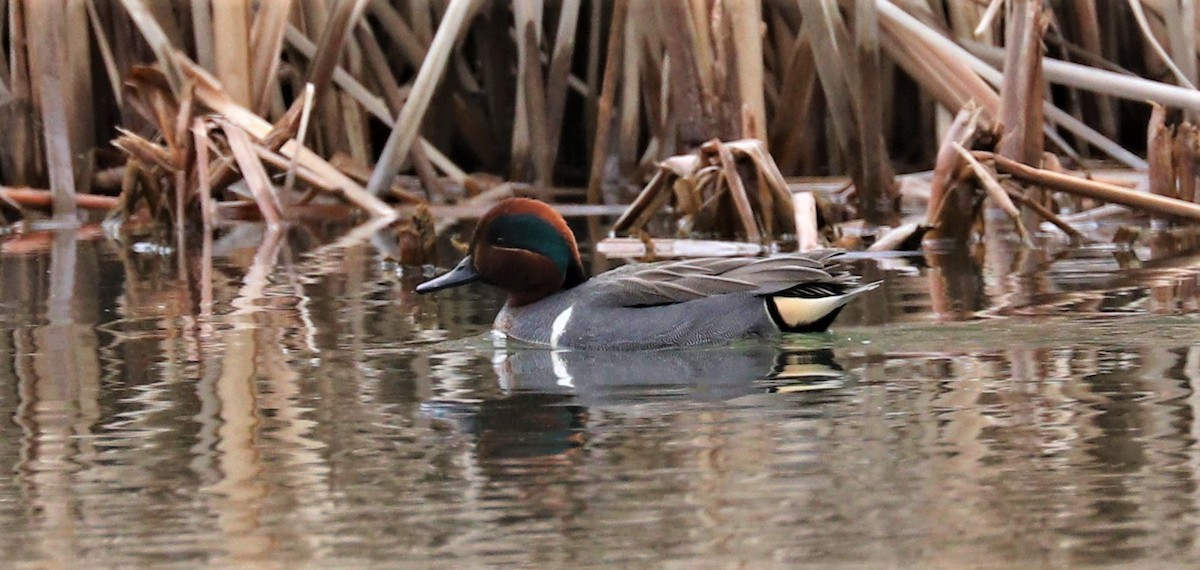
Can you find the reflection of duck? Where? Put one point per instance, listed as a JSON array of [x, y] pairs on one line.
[[550, 391], [525, 247]]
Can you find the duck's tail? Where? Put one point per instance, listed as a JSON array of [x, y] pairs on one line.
[[811, 307]]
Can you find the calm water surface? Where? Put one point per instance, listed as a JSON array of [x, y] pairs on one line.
[[293, 404]]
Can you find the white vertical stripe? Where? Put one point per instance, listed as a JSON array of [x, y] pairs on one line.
[[560, 325]]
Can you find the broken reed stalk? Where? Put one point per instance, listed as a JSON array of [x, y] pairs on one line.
[[1092, 189], [209, 91], [737, 190], [996, 192], [1022, 90], [953, 207], [1159, 146], [409, 121]]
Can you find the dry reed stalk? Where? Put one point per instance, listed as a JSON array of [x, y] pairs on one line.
[[39, 198], [559, 73], [629, 117], [687, 45], [301, 135], [374, 105], [23, 159], [1087, 23], [799, 78], [996, 192], [745, 19], [408, 123], [160, 43], [106, 52], [526, 16], [1187, 139], [1016, 194], [1159, 145], [1151, 203], [1140, 16], [210, 92], [254, 174], [336, 27], [953, 222], [878, 196], [1103, 81], [397, 28], [612, 62], [770, 180], [1022, 89], [371, 103], [203, 177], [231, 20], [535, 111], [46, 55], [647, 203], [202, 33], [266, 40], [808, 236], [897, 18], [824, 26], [737, 190]]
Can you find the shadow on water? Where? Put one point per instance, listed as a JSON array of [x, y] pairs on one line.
[[269, 400]]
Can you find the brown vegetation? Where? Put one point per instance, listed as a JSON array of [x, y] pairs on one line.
[[187, 112]]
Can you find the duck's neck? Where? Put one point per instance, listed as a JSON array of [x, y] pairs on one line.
[[575, 275]]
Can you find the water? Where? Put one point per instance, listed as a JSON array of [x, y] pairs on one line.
[[290, 405]]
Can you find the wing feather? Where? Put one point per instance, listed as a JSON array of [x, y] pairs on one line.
[[669, 282]]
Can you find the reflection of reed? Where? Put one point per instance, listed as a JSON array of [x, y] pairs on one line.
[[58, 385], [239, 493]]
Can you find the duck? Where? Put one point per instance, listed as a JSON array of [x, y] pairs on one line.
[[525, 248]]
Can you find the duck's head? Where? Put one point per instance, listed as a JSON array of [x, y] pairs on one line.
[[522, 246]]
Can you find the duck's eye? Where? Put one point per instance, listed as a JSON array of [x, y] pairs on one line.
[[499, 240]]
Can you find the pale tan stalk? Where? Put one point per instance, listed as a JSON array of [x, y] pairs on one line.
[[254, 174], [158, 40], [408, 123], [745, 19], [301, 135], [891, 14], [202, 33], [210, 92], [106, 53], [989, 182], [1097, 190], [266, 40], [1140, 16], [605, 105], [231, 47], [558, 76], [629, 119], [47, 32], [1099, 80]]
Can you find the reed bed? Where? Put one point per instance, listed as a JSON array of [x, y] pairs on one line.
[[171, 115]]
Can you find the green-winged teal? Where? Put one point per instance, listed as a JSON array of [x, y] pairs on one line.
[[526, 248]]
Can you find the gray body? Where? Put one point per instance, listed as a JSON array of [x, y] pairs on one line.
[[683, 303]]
